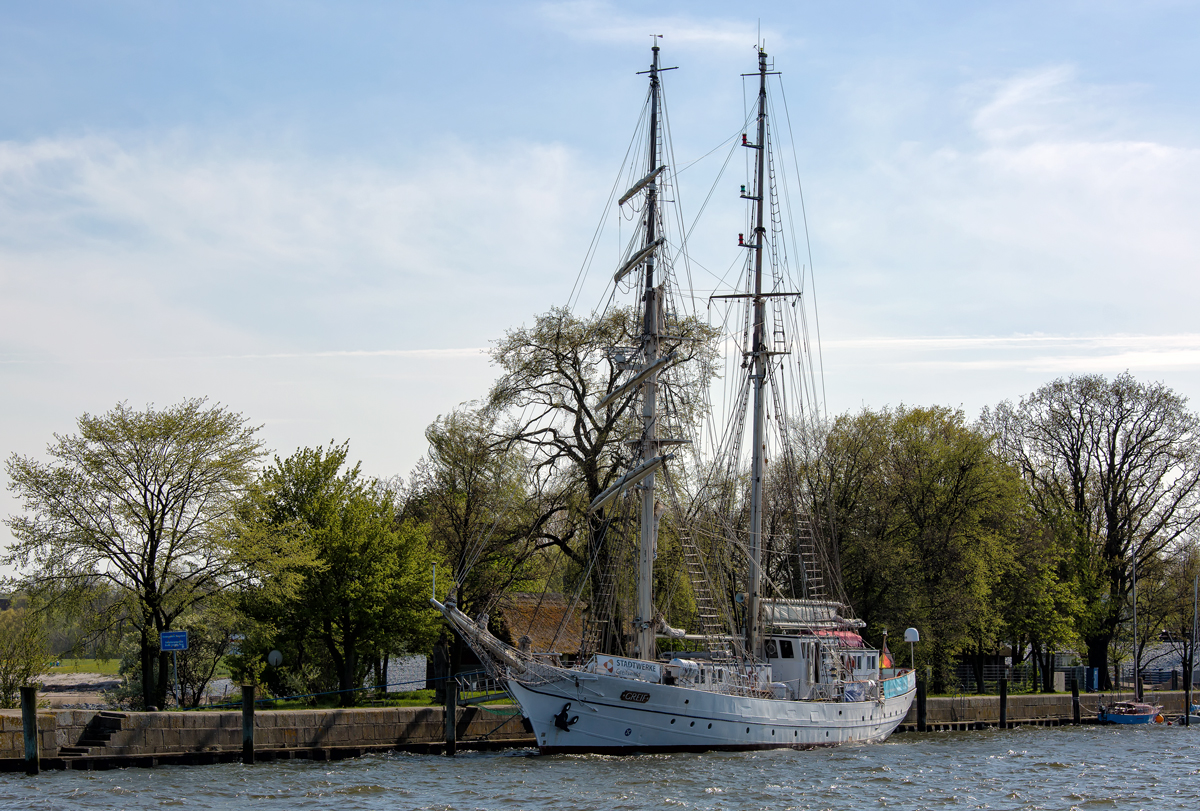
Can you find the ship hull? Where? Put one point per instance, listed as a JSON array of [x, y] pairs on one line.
[[610, 715]]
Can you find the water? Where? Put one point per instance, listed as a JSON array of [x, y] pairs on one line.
[[1069, 768]]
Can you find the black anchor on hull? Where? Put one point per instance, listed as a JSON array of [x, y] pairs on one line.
[[562, 721]]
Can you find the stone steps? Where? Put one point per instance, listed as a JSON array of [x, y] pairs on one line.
[[96, 735]]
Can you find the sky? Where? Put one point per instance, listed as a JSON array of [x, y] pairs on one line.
[[320, 214]]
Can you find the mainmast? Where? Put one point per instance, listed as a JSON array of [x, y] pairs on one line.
[[644, 622], [758, 376]]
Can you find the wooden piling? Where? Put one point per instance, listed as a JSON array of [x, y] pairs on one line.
[[1075, 700], [248, 724], [1187, 693], [29, 727], [1004, 703], [922, 726], [451, 716]]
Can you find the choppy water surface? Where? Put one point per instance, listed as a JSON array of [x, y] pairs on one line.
[[1084, 768]]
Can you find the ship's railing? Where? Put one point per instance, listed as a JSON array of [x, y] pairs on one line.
[[479, 686]]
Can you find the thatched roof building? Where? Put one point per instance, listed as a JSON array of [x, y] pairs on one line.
[[549, 621]]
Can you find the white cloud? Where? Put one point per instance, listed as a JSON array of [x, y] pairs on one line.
[[189, 250], [319, 298], [1059, 213], [1049, 354]]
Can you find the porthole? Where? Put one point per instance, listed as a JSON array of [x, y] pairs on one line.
[[672, 720], [687, 701], [772, 733], [747, 730], [692, 724], [710, 726]]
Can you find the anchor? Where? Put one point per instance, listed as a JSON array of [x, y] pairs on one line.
[[562, 721]]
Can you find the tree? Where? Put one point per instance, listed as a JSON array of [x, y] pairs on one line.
[[1182, 578], [210, 638], [1114, 467], [24, 654], [924, 516], [555, 374], [142, 501], [841, 471], [1037, 597], [487, 514], [365, 595]]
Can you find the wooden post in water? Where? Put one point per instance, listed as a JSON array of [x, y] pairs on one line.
[[1075, 699], [1004, 703], [921, 706], [29, 726], [451, 716], [1187, 690], [248, 724]]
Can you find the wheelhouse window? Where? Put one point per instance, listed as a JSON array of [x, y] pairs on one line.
[[785, 649]]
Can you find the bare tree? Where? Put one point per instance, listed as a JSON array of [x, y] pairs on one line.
[[556, 373], [1114, 465]]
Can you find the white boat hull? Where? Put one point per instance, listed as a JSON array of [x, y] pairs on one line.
[[613, 715]]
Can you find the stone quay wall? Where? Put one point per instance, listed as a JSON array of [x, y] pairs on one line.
[[1048, 709], [150, 734], [169, 733]]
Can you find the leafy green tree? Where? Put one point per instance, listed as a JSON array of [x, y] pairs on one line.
[[1113, 466], [24, 653], [1037, 596], [842, 476], [923, 512], [486, 516], [211, 630], [365, 593], [143, 502], [1181, 579], [1164, 599]]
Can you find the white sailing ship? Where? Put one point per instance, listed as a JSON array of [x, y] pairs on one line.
[[767, 669]]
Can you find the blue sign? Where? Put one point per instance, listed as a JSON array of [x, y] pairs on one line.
[[173, 640]]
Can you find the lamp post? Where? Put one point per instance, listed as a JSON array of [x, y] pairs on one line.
[[912, 636]]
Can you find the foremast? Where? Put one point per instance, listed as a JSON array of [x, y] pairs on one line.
[[758, 360], [648, 539]]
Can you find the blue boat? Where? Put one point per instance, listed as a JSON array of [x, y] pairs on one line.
[[1130, 712]]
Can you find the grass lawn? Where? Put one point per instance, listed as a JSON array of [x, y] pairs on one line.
[[106, 666], [411, 698]]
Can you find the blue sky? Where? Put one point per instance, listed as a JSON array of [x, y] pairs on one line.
[[319, 213]]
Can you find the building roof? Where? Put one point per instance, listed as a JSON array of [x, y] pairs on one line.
[[551, 623]]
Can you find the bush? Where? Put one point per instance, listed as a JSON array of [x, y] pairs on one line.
[[24, 652]]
